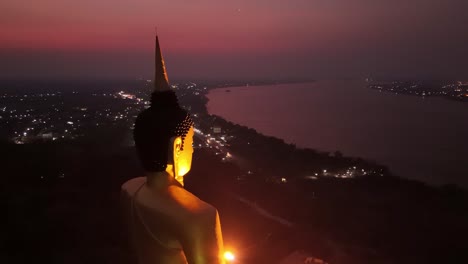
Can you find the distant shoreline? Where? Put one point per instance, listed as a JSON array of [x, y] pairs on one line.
[[258, 83], [452, 91]]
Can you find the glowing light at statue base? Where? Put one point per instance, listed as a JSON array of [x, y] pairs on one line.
[[229, 256]]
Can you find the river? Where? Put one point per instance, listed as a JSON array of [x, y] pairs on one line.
[[425, 139]]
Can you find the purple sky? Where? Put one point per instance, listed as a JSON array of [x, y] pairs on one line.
[[213, 39]]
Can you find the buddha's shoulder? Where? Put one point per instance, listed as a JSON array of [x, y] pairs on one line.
[[174, 202], [190, 211], [189, 203], [132, 185]]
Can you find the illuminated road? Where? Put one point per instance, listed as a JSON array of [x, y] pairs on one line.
[[213, 143]]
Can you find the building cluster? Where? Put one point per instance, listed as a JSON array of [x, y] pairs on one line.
[[57, 115], [349, 173], [27, 117], [457, 90]]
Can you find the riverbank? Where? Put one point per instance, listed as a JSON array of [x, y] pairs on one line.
[[356, 121]]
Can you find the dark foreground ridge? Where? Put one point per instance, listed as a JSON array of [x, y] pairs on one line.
[[62, 200]]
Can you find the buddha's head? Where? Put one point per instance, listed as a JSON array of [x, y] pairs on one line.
[[164, 135]]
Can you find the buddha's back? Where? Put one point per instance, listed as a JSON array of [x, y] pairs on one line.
[[171, 225]]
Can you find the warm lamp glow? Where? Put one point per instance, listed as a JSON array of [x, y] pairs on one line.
[[229, 256], [183, 170], [183, 155]]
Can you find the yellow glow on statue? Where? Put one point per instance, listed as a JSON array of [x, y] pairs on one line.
[[183, 156]]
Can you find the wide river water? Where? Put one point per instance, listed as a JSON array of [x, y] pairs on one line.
[[419, 138]]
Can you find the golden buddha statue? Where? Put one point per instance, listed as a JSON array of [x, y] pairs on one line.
[[167, 223]]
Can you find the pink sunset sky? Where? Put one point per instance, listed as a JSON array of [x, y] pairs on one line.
[[207, 39]]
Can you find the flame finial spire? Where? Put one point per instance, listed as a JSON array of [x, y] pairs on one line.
[[161, 82]]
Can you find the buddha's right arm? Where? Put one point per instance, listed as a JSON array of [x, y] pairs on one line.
[[202, 240]]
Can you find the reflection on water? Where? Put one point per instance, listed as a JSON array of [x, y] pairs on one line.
[[423, 139]]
